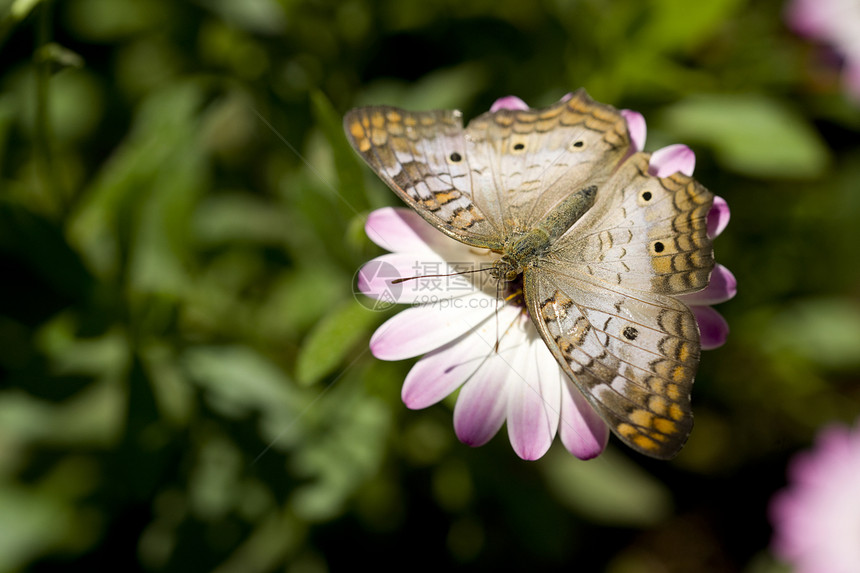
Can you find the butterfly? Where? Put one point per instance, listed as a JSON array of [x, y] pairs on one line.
[[603, 247]]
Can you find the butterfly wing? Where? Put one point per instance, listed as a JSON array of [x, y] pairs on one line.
[[422, 156], [487, 183], [603, 301], [531, 160], [644, 232]]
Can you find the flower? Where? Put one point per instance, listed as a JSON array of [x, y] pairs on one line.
[[457, 323], [816, 519], [836, 23]]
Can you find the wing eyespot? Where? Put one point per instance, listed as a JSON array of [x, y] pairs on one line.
[[659, 247], [517, 145], [647, 197], [577, 145], [455, 157]]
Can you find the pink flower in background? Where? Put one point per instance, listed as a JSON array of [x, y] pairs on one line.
[[456, 323], [835, 23], [816, 519]]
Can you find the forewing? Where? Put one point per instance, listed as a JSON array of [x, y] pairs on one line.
[[633, 357], [643, 232], [496, 179], [525, 162], [424, 158]]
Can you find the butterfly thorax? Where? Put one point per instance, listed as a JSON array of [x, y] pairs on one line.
[[522, 251], [526, 249]]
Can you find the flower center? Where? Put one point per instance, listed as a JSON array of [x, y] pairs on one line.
[[512, 292]]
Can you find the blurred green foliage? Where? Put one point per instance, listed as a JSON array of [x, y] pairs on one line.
[[185, 377]]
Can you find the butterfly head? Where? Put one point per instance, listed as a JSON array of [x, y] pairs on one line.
[[505, 269]]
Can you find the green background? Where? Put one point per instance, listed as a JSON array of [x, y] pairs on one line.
[[185, 383]]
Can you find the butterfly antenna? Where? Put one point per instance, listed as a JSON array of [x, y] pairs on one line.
[[498, 298], [403, 280], [499, 333]]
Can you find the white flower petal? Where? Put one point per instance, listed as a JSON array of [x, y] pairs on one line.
[[401, 230], [396, 230], [534, 401], [481, 405], [427, 327], [582, 431], [442, 371], [375, 279]]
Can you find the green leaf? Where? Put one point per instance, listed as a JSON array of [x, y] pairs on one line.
[[332, 339], [238, 379], [233, 217], [33, 524], [112, 20], [676, 24], [453, 87], [750, 134], [262, 16], [139, 207], [74, 107], [350, 432], [298, 299], [349, 170], [94, 417], [610, 489], [21, 8], [825, 331], [317, 221], [11, 13]]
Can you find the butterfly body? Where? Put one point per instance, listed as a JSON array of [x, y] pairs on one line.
[[603, 246], [536, 242]]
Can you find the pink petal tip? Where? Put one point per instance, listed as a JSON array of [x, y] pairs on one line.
[[673, 159], [713, 327], [508, 102], [636, 127], [718, 217]]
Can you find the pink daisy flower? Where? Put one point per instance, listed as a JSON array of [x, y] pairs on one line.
[[816, 519], [470, 340], [835, 23]]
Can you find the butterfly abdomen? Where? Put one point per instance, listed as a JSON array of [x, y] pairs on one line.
[[568, 212]]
